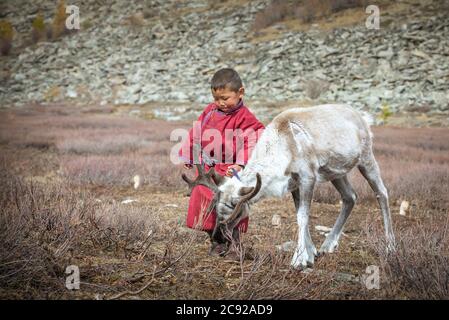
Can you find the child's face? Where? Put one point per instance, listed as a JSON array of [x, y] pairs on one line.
[[227, 99]]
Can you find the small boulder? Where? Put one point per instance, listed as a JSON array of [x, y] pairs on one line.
[[137, 181], [403, 209], [276, 220]]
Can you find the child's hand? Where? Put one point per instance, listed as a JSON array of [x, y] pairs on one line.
[[236, 167], [187, 166]]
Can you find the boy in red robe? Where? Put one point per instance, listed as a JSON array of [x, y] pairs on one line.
[[226, 114]]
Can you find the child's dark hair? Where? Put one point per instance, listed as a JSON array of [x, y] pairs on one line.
[[226, 78]]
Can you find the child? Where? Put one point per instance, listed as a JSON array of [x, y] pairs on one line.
[[228, 112]]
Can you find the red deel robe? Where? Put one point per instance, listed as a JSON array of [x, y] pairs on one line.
[[233, 151]]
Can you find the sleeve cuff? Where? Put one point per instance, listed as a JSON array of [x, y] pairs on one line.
[[185, 160]]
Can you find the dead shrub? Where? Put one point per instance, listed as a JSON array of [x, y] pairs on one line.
[[313, 9], [98, 149], [46, 227], [119, 169], [268, 277], [275, 11], [58, 25], [39, 228], [38, 28], [137, 19], [419, 268], [6, 37], [100, 143]]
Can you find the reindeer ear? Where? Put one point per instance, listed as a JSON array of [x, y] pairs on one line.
[[245, 190]]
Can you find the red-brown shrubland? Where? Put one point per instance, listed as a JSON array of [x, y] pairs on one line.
[[65, 171]]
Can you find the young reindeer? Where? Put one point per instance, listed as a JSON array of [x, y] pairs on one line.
[[298, 149]]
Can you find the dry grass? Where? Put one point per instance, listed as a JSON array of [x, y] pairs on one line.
[[38, 28], [120, 249], [64, 177], [419, 269], [304, 10], [58, 27], [45, 228], [104, 149], [275, 11], [95, 148], [6, 37]]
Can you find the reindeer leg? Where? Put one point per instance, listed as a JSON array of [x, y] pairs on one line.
[[370, 170], [303, 256], [348, 197], [311, 250]]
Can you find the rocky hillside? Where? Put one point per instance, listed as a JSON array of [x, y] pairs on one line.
[[138, 52]]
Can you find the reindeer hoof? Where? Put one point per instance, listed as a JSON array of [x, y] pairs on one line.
[[218, 249], [303, 268], [302, 261], [328, 247]]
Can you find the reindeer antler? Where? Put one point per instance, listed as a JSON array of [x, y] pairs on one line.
[[203, 179], [209, 179]]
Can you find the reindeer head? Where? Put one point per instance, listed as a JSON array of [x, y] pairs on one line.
[[231, 199]]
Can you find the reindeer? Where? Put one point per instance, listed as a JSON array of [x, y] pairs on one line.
[[298, 149]]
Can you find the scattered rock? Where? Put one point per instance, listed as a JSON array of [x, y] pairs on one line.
[[276, 220], [346, 277], [323, 228], [403, 209], [288, 246], [309, 270], [173, 57], [71, 93], [129, 201], [137, 182]]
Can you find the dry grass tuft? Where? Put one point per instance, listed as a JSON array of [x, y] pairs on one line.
[[6, 37]]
